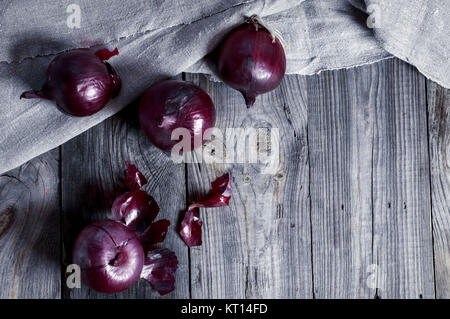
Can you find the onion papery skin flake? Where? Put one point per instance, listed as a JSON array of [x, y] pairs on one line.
[[136, 209], [110, 256], [159, 270], [173, 104], [134, 179], [79, 81], [251, 61], [191, 225]]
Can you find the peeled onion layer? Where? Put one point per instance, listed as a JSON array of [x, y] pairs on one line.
[[159, 270], [191, 225], [252, 61], [154, 234], [109, 255], [79, 81], [173, 104], [219, 194], [137, 210], [191, 228], [134, 179]]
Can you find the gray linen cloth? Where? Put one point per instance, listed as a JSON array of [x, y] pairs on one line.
[[161, 38]]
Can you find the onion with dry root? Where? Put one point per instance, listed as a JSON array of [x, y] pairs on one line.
[[252, 59], [79, 81]]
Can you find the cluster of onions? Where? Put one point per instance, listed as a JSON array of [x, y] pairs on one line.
[[114, 253], [79, 81], [251, 60]]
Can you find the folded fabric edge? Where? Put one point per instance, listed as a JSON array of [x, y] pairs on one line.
[[143, 32], [63, 141], [422, 69]]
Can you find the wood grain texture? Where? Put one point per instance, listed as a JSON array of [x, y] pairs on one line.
[[93, 166], [370, 203], [401, 185], [353, 209], [439, 139], [29, 230], [259, 247], [340, 129]]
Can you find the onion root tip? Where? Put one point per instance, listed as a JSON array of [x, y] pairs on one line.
[[33, 94]]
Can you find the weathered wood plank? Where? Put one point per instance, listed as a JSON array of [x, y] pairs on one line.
[[93, 167], [340, 129], [439, 139], [259, 247], [29, 230], [370, 183], [402, 244]]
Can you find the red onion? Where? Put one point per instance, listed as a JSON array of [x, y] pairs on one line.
[[109, 255], [113, 255], [79, 81], [173, 104], [252, 60]]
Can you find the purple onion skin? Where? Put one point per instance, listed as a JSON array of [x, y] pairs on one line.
[[191, 228], [173, 104], [159, 270], [80, 82], [250, 62], [109, 255]]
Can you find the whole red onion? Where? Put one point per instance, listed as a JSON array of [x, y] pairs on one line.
[[173, 104], [252, 60], [109, 255], [79, 81]]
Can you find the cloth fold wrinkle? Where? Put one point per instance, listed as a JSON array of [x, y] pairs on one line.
[[102, 27]]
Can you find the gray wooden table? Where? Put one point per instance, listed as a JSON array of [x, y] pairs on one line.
[[358, 208]]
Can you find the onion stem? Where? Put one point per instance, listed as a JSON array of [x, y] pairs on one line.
[[273, 31]]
